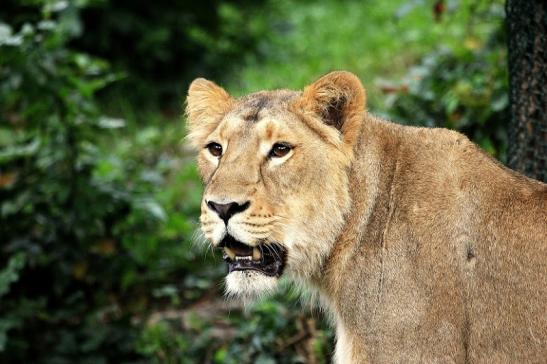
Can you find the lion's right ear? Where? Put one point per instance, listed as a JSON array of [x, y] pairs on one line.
[[339, 101], [206, 104]]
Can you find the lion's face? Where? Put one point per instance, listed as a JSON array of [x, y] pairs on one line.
[[274, 166]]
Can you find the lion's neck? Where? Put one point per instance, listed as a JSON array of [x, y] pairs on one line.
[[371, 179], [354, 262]]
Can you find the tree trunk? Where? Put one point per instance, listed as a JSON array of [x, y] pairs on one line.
[[527, 35]]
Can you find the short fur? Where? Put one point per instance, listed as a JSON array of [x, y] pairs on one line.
[[423, 248]]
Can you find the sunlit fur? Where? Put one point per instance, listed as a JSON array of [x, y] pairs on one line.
[[421, 248]]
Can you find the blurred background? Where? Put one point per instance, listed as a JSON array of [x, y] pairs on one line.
[[99, 197]]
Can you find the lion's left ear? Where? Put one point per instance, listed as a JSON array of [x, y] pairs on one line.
[[338, 98], [206, 104]]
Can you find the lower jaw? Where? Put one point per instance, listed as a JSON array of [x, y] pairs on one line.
[[272, 270]]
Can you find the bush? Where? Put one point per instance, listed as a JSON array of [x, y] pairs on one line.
[[464, 88], [61, 211], [162, 44], [220, 332], [158, 46]]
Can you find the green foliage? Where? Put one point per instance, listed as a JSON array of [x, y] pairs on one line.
[[162, 44], [48, 195], [375, 39], [274, 331], [67, 205], [158, 46], [9, 275], [464, 88]]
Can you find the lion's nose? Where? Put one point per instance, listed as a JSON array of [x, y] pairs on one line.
[[226, 210]]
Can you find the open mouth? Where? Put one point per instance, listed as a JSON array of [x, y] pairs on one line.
[[266, 258]]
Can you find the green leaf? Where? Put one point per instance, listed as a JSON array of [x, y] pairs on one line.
[[10, 273], [152, 207], [19, 151], [110, 123]]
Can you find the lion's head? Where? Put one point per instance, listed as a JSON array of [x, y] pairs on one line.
[[275, 168]]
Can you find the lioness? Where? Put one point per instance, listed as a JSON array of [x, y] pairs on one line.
[[422, 247]]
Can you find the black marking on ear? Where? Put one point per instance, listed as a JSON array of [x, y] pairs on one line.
[[333, 114]]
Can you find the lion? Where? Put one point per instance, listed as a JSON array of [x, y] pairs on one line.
[[420, 246]]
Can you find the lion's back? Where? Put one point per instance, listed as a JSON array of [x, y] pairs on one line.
[[507, 286], [490, 225]]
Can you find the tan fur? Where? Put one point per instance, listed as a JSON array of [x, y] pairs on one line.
[[423, 248]]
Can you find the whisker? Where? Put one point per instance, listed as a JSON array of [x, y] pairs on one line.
[[258, 224], [198, 237], [273, 251], [205, 223], [261, 253], [257, 231], [276, 249], [267, 248]]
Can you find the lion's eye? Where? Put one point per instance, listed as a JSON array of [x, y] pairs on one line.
[[279, 150], [215, 149]]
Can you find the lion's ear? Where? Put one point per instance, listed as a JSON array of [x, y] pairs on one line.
[[338, 98], [206, 104]]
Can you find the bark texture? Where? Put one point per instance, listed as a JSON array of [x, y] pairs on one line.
[[527, 37]]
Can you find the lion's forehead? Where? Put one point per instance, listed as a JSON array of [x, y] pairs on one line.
[[260, 117], [255, 106]]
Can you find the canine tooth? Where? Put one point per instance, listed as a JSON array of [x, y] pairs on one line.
[[256, 254], [230, 253]]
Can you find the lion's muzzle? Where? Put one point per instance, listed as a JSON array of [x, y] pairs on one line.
[[226, 210]]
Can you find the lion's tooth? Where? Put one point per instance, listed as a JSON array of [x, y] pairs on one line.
[[239, 257], [230, 253], [256, 254]]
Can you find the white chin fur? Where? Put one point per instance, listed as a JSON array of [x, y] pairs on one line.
[[249, 285]]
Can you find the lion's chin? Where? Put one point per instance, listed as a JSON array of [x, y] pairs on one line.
[[250, 285]]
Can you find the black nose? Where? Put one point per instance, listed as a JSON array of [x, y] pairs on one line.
[[226, 210]]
